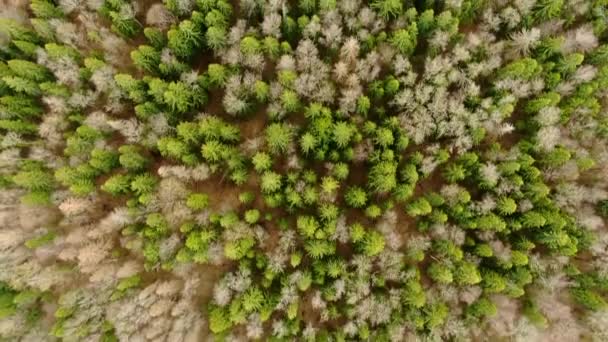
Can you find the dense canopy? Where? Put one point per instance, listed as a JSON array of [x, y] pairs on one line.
[[310, 170]]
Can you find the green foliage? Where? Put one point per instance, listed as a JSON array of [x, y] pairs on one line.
[[185, 39], [405, 40], [197, 201], [419, 207], [355, 197], [131, 158], [388, 8], [483, 307], [373, 243], [440, 273], [278, 137], [383, 177]]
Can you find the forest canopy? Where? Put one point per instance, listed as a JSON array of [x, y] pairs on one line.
[[305, 170]]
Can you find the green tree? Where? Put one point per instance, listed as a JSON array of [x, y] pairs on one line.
[[454, 173], [506, 206], [440, 273], [482, 307], [270, 182], [383, 177], [467, 273], [146, 58], [197, 201], [388, 9], [117, 184], [373, 243], [29, 70], [261, 161], [252, 216], [131, 158], [278, 137], [185, 39], [419, 207], [405, 40], [342, 134], [355, 197], [45, 9], [215, 37]]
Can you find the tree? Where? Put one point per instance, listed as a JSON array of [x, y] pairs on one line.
[[217, 74], [218, 319], [117, 185], [588, 298], [185, 39], [419, 207], [143, 184], [122, 16], [215, 37], [547, 9], [261, 162], [307, 142], [388, 9], [197, 201], [454, 173], [383, 177], [483, 307], [182, 98], [45, 9], [373, 243], [342, 134], [493, 282], [405, 40], [29, 70], [413, 294], [290, 101], [131, 158], [250, 45], [436, 314], [384, 137], [533, 219], [307, 226], [506, 206], [34, 179], [467, 273], [270, 182], [440, 273], [355, 197], [103, 160], [278, 137], [252, 216], [146, 58]]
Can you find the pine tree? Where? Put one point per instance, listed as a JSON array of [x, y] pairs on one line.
[[388, 8], [454, 173], [373, 243], [383, 177], [278, 137], [270, 182], [483, 307], [440, 273], [355, 197], [342, 134], [29, 70], [467, 273], [185, 39], [261, 162], [197, 201], [405, 40], [419, 207], [146, 58]]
